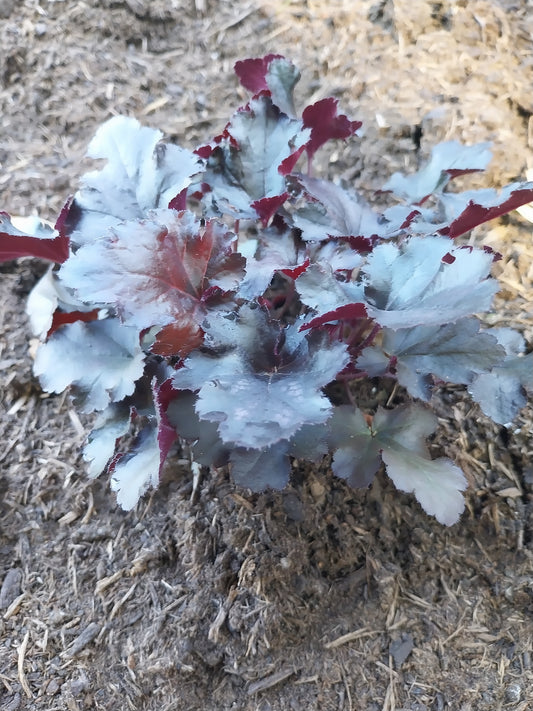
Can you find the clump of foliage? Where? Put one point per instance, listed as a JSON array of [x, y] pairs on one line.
[[212, 298]]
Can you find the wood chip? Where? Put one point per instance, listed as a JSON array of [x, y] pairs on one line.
[[268, 682], [10, 587], [21, 652], [82, 640], [350, 637]]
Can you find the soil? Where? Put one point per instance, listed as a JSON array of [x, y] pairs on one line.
[[318, 597]]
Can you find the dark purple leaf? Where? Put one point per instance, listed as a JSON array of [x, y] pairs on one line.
[[201, 435], [260, 469], [398, 438], [456, 353]]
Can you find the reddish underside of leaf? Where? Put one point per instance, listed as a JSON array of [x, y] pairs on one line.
[[14, 244], [268, 206], [252, 72], [348, 312], [60, 318], [178, 339], [166, 433], [325, 123], [475, 215]]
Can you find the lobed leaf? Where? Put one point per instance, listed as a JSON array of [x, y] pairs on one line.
[[154, 272], [501, 393], [135, 472], [141, 173], [272, 73], [255, 368], [413, 284], [397, 437], [456, 352], [330, 211], [448, 160], [325, 123], [244, 168], [101, 359]]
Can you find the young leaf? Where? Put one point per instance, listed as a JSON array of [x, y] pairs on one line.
[[286, 380], [252, 73], [142, 173], [412, 284], [102, 359], [244, 167], [356, 457], [325, 123], [38, 240], [272, 73]]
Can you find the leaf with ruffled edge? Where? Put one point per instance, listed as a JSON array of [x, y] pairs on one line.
[[244, 167], [448, 160], [155, 271], [102, 360], [454, 353], [323, 209], [272, 73], [501, 393], [110, 425], [424, 282], [332, 298], [397, 437], [325, 123], [284, 372], [141, 173]]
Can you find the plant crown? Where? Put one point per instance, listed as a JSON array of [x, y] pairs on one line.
[[213, 297]]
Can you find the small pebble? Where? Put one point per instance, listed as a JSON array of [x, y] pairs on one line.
[[513, 693]]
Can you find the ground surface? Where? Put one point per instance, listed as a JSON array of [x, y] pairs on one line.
[[319, 597]]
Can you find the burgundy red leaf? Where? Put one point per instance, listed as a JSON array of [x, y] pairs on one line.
[[325, 123]]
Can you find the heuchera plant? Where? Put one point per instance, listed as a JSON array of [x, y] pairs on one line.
[[211, 298]]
